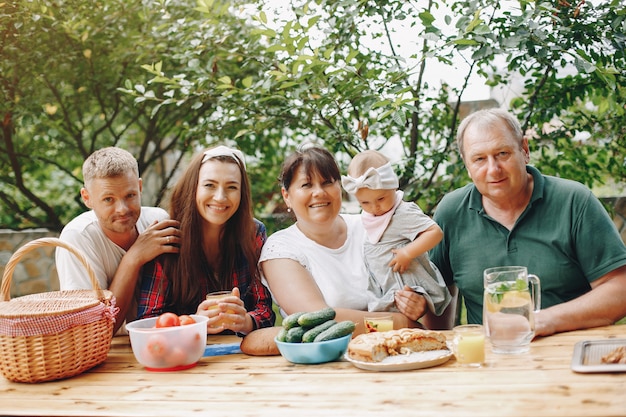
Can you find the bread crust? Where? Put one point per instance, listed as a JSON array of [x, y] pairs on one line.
[[376, 346], [261, 342]]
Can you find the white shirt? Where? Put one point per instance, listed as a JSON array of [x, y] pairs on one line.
[[104, 256], [339, 273]]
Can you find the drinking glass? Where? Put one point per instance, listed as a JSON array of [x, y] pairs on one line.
[[468, 345], [217, 296], [378, 324]]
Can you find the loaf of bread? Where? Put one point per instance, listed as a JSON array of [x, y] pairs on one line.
[[261, 342], [376, 346]]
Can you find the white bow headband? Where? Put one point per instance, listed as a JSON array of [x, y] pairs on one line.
[[383, 178], [222, 150]]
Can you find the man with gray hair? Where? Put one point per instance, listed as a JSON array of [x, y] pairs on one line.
[[512, 214], [117, 236]]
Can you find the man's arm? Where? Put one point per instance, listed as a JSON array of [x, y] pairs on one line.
[[603, 305], [161, 237]]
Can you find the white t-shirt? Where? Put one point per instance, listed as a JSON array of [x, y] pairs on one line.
[[104, 256], [339, 273]]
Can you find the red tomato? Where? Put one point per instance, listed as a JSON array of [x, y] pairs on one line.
[[155, 349], [186, 319], [168, 320], [177, 357]]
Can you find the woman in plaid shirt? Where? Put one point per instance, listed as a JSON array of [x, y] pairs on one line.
[[220, 245]]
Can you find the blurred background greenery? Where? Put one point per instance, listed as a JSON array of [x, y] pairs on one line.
[[167, 78]]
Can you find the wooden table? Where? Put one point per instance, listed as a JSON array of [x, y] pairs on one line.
[[539, 383]]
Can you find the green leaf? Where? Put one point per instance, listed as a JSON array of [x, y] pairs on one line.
[[353, 53], [302, 42], [475, 22], [270, 33], [276, 48], [521, 284], [427, 18], [241, 132], [312, 21], [225, 80], [584, 66], [469, 42], [384, 115], [154, 111], [381, 104], [287, 84], [399, 117]]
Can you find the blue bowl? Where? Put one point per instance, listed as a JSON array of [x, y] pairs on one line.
[[314, 352]]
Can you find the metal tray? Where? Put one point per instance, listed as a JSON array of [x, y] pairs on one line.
[[588, 355]]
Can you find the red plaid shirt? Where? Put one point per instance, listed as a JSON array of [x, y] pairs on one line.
[[154, 290]]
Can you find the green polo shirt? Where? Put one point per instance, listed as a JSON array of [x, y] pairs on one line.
[[565, 236]]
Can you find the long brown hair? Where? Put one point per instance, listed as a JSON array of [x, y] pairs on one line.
[[237, 239]]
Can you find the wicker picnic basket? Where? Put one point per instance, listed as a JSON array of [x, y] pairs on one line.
[[57, 334]]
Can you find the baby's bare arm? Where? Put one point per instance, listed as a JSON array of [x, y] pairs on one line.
[[424, 242]]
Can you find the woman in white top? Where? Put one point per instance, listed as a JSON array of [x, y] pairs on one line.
[[318, 261]]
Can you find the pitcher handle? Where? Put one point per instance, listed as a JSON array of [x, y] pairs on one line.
[[536, 291]]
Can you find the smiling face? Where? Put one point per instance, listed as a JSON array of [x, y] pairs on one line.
[[495, 161], [376, 202], [219, 191], [116, 202], [313, 199]]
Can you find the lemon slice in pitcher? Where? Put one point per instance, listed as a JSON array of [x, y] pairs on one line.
[[491, 303], [515, 299]]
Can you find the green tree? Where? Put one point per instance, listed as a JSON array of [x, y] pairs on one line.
[[62, 65], [175, 75], [320, 79]]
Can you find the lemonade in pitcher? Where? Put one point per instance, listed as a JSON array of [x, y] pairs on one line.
[[508, 310]]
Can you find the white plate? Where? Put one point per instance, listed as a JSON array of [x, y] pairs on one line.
[[415, 360]]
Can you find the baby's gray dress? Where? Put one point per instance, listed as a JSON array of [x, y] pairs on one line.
[[422, 276]]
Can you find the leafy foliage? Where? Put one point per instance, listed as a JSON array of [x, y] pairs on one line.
[[167, 77], [62, 65]]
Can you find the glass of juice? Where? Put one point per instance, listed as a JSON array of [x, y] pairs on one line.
[[218, 296], [469, 345], [378, 323]]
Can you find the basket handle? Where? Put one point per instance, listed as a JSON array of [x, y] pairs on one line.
[[5, 290]]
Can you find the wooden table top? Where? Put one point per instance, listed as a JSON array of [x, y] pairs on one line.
[[538, 383]]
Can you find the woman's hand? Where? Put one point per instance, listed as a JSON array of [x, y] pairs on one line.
[[410, 303], [226, 313]]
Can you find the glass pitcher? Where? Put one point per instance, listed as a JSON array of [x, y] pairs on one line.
[[509, 307]]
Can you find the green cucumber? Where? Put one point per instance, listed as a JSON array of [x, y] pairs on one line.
[[316, 318], [338, 330], [282, 335], [294, 335], [311, 334], [292, 320]]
